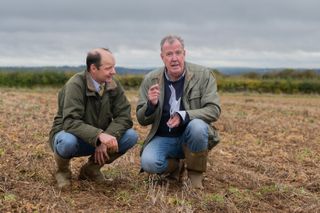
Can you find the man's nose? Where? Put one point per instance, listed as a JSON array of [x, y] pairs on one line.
[[174, 57], [113, 71]]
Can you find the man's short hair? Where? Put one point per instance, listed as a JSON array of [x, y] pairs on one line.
[[170, 39], [94, 57]]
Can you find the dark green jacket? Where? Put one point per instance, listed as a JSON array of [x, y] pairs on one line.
[[200, 99], [83, 113]]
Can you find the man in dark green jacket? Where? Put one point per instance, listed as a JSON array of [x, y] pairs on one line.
[[180, 101], [93, 118]]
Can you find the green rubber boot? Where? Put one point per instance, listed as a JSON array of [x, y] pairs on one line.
[[63, 174], [196, 166], [91, 171]]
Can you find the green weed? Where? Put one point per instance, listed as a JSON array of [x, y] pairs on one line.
[[2, 151], [123, 196], [217, 198], [304, 154], [9, 197]]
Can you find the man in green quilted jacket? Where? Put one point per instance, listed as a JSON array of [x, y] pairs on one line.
[[180, 101], [93, 119]]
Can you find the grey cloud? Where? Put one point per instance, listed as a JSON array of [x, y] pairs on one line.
[[46, 30]]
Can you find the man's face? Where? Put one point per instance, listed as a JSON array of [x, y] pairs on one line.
[[173, 56], [106, 71]]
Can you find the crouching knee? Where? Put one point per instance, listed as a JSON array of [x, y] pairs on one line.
[[65, 145], [151, 164]]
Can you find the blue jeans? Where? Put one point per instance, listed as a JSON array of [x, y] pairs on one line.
[[159, 149], [68, 145]]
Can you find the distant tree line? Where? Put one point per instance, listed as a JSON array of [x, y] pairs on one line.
[[282, 81], [283, 74], [288, 81], [32, 79]]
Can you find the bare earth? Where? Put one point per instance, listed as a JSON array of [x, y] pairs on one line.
[[267, 161]]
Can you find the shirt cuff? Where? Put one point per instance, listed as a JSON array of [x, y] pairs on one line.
[[182, 115]]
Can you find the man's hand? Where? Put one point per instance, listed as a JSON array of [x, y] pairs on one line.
[[174, 121], [110, 142], [101, 154], [153, 94]]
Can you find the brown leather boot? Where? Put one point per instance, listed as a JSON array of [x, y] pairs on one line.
[[91, 171], [196, 165], [63, 173]]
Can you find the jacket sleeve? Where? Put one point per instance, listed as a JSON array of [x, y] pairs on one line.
[[209, 110], [142, 105], [121, 113], [73, 113]]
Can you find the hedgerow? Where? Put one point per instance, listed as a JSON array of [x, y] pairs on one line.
[[246, 82]]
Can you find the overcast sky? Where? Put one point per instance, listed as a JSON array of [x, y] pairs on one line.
[[246, 33]]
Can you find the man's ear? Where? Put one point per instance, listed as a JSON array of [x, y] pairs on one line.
[[93, 68]]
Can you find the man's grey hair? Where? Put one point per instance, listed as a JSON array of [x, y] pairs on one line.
[[170, 39]]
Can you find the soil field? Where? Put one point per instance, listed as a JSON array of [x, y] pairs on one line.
[[268, 160]]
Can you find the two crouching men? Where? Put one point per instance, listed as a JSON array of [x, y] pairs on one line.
[[179, 100]]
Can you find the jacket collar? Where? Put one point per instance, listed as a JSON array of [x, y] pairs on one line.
[[111, 86], [189, 80], [90, 86], [91, 90], [189, 74], [168, 78]]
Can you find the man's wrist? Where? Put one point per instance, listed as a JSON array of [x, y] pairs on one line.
[[150, 108]]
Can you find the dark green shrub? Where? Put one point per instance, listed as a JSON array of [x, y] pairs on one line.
[[227, 84]]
